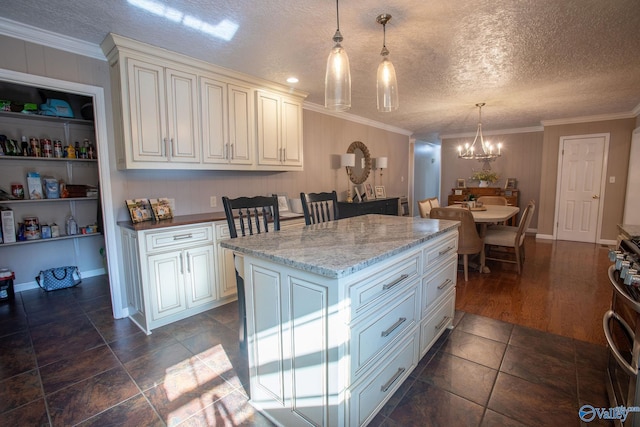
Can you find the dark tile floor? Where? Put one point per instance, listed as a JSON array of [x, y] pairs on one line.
[[65, 361]]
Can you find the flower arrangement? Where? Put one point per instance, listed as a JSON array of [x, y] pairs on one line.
[[485, 175]]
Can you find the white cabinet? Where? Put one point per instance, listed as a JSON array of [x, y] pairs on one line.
[[177, 112], [332, 352], [228, 136], [279, 126], [163, 119], [171, 273]]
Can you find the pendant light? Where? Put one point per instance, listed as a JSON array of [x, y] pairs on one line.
[[387, 85], [337, 81]]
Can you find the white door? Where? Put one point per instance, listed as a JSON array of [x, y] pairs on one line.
[[580, 187], [182, 111], [148, 111], [213, 106], [201, 282]]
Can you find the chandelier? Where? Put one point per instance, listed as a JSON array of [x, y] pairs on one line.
[[485, 152]]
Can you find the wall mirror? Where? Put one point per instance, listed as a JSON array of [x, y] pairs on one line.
[[360, 172]]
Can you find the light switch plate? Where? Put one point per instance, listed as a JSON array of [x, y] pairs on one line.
[[213, 201]]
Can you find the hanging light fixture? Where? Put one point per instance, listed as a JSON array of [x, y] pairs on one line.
[[387, 85], [485, 152], [337, 80]]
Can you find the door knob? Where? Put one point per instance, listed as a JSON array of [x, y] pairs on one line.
[[595, 196]]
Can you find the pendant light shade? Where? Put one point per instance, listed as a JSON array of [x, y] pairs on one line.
[[386, 82], [337, 81]]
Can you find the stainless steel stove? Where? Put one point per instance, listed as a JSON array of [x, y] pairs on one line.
[[621, 326]]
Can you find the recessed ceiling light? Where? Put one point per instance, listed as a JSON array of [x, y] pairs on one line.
[[292, 80]]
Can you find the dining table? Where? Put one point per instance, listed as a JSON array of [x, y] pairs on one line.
[[489, 214]]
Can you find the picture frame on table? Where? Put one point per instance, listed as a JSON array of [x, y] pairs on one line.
[[461, 183], [380, 192], [357, 197], [283, 203], [161, 208], [371, 195], [139, 210], [511, 184]]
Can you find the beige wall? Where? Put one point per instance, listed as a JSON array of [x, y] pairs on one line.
[[521, 159], [618, 161]]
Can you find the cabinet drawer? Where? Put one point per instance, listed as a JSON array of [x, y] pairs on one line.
[[437, 322], [371, 336], [178, 237], [381, 285], [374, 391], [440, 250], [438, 282]]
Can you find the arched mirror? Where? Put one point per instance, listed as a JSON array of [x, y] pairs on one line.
[[360, 172]]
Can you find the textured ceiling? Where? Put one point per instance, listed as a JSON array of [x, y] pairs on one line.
[[529, 60]]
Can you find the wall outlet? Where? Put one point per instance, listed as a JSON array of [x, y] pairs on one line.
[[213, 201]]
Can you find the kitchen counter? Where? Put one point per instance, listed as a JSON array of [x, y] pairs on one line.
[[187, 220], [339, 314], [338, 248], [630, 231]]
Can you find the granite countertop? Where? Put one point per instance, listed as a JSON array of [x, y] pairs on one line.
[[188, 220], [631, 230], [338, 248]]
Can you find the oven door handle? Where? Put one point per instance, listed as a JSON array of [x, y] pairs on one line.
[[614, 350]]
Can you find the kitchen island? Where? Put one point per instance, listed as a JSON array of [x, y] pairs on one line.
[[340, 313]]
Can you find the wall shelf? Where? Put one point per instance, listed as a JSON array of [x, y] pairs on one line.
[[52, 239]]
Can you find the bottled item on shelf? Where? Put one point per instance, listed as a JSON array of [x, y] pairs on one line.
[[25, 146], [71, 151], [84, 150], [71, 226]]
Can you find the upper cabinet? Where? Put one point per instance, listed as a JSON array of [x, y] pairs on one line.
[[176, 112], [279, 121], [163, 109], [227, 122]]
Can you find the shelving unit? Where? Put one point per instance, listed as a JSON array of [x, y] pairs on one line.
[[26, 258]]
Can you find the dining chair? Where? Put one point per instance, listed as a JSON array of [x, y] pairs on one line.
[[425, 206], [492, 200], [469, 241], [510, 239], [319, 207], [253, 215]]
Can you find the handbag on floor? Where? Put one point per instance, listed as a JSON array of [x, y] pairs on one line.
[[59, 278]]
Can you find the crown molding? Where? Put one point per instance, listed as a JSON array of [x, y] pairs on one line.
[[494, 132], [47, 38], [587, 119], [353, 118]]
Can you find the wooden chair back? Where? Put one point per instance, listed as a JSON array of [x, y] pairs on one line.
[[319, 207], [469, 241], [254, 214], [493, 200]]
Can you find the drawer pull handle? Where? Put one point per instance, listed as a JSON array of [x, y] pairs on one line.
[[444, 251], [444, 321], [183, 236], [395, 282], [394, 327], [445, 284], [386, 386]]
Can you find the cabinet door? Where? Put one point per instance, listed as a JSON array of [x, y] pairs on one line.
[[200, 275], [241, 128], [292, 132], [227, 273], [147, 107], [268, 120], [213, 96], [182, 112], [166, 284]]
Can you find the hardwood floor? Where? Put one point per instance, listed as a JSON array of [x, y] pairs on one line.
[[563, 290]]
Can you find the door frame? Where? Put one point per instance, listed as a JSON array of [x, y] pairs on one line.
[[603, 181], [102, 142]]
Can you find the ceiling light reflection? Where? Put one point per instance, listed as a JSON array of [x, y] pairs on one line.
[[224, 30]]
